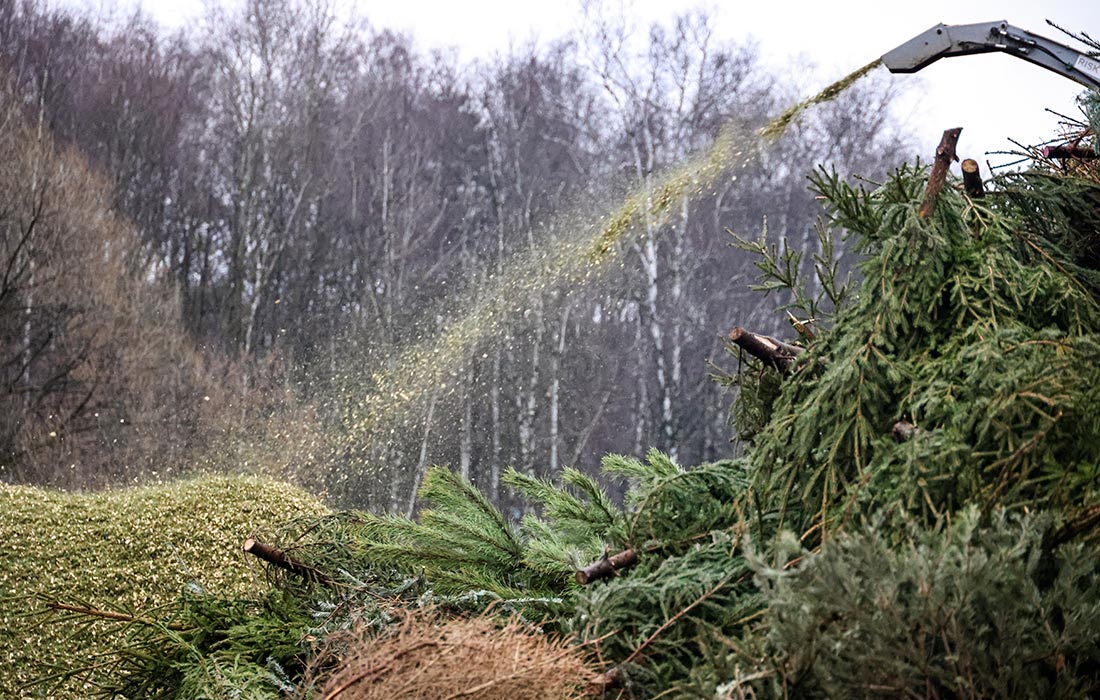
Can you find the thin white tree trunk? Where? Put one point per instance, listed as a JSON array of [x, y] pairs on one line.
[[648, 252], [641, 405], [422, 460], [555, 389], [494, 417], [528, 397], [466, 440]]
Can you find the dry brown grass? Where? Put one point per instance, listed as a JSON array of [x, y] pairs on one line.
[[431, 658]]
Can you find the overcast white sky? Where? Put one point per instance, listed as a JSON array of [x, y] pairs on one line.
[[993, 97]]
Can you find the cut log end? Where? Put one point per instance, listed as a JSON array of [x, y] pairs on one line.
[[972, 178], [611, 678], [1068, 150], [277, 557], [606, 567], [904, 431], [772, 352]]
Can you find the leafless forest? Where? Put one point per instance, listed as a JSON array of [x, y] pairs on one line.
[[211, 241]]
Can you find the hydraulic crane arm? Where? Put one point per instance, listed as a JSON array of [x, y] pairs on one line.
[[945, 40]]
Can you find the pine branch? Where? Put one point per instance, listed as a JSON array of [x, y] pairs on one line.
[[116, 616], [1086, 521]]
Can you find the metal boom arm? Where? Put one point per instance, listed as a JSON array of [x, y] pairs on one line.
[[946, 40]]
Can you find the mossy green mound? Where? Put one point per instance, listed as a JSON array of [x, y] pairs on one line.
[[133, 548]]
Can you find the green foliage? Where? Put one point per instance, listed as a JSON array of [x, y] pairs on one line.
[[966, 609], [670, 506], [781, 271], [933, 566], [206, 645], [666, 611], [580, 510], [689, 589], [1058, 217], [462, 543], [961, 327], [212, 647], [757, 389]]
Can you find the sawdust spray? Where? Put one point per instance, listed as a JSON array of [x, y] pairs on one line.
[[412, 381]]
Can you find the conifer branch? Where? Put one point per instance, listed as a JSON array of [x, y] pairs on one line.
[[673, 620], [1088, 520], [116, 616]]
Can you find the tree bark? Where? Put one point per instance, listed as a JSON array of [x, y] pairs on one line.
[[422, 462], [904, 431], [555, 388], [1070, 150], [607, 566], [945, 154], [972, 178], [773, 353]]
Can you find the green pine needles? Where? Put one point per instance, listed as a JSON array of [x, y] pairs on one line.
[[974, 607], [963, 326]]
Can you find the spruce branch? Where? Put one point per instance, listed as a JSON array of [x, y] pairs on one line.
[[681, 613]]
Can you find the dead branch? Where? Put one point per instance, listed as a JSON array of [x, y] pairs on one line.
[[607, 566], [803, 327], [379, 669], [945, 154]]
